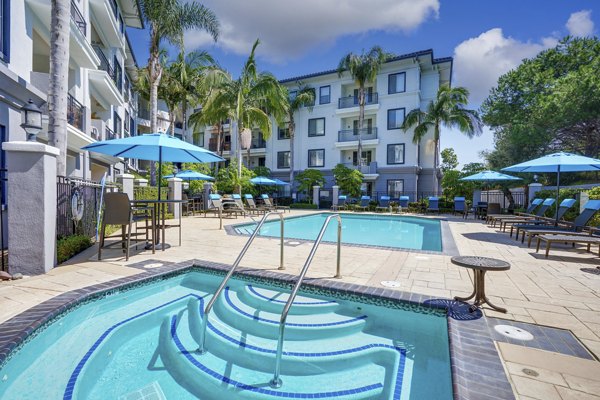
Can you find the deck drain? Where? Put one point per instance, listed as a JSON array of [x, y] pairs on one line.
[[391, 283], [153, 265], [530, 372], [513, 332]]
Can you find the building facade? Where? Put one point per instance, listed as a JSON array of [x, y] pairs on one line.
[[101, 102], [327, 133]]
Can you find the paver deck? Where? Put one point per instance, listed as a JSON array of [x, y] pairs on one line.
[[555, 292]]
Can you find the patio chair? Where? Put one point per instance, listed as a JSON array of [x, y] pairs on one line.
[[364, 203], [564, 206], [187, 207], [239, 204], [118, 211], [403, 203], [251, 205], [524, 219], [493, 218], [460, 206], [384, 204], [574, 228], [215, 206], [269, 204], [433, 204], [341, 205]]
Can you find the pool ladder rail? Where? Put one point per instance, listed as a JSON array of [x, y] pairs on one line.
[[276, 382]]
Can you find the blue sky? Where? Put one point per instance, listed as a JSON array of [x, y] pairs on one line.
[[486, 38]]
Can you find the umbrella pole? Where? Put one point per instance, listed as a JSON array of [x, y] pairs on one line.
[[159, 170], [557, 193]]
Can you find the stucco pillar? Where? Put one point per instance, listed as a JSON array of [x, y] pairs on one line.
[[126, 180], [206, 193], [141, 182], [335, 193], [31, 190], [476, 197], [316, 195], [533, 189], [175, 194]]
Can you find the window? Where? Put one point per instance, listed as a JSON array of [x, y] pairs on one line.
[[367, 157], [395, 118], [132, 126], [117, 124], [283, 159], [316, 127], [325, 94], [293, 94], [4, 30], [397, 83], [262, 161], [3, 176], [367, 127], [312, 103], [283, 132], [126, 124], [118, 74], [395, 153], [395, 187], [316, 158]]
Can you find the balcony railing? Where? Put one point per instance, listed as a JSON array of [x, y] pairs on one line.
[[351, 135], [369, 168], [105, 64], [109, 134], [78, 18], [259, 144], [352, 101], [212, 145], [75, 113]]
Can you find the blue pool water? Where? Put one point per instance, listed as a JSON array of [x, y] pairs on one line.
[[366, 229], [141, 344]]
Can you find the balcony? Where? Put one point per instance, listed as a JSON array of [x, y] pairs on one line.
[[369, 171], [105, 64], [351, 135], [212, 145], [78, 18], [105, 80], [75, 113], [109, 134], [352, 101]]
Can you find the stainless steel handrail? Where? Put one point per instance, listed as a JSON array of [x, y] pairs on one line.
[[276, 381], [210, 304]]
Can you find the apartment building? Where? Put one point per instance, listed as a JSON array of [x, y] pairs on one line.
[[327, 133], [101, 102]]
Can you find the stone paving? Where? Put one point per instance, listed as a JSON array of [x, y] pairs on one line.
[[555, 292]]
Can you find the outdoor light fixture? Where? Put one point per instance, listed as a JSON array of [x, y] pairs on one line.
[[31, 120], [535, 178]]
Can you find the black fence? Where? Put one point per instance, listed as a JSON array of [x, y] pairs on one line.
[[3, 233], [78, 206]]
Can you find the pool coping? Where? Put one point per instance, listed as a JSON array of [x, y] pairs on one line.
[[476, 368], [449, 247]]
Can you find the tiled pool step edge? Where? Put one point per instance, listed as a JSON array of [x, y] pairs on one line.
[[477, 371]]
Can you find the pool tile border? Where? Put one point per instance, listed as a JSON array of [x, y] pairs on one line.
[[477, 371]]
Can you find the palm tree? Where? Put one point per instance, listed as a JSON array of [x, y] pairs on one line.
[[168, 20], [59, 79], [446, 109], [364, 69], [248, 101], [305, 97]]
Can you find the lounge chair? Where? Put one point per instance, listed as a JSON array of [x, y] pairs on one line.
[[589, 240], [433, 204], [493, 218], [239, 204], [403, 203], [572, 229], [269, 204], [364, 203], [215, 205], [459, 206], [525, 219], [384, 204], [564, 206], [341, 204], [251, 205]]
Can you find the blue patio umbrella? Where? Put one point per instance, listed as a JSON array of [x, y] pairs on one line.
[[557, 163], [154, 147], [262, 180], [489, 176], [279, 182], [190, 175]]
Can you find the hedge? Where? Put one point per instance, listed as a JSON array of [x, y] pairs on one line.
[[69, 246]]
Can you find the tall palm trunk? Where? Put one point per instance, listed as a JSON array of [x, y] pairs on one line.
[[436, 145], [292, 129], [154, 75], [219, 145], [59, 80], [361, 121]]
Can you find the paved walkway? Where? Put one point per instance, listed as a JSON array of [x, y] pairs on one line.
[[556, 292]]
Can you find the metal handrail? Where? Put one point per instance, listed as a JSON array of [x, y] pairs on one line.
[[209, 305], [276, 381]]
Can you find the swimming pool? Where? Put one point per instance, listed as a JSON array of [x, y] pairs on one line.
[[402, 232], [140, 344]]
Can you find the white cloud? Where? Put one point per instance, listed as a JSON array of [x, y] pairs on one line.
[[580, 23], [480, 61], [288, 29]]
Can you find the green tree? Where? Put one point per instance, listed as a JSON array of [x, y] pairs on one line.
[[364, 69], [348, 179], [248, 101], [449, 160], [550, 102], [167, 20], [447, 109], [262, 171], [203, 168], [228, 180], [309, 178], [305, 97]]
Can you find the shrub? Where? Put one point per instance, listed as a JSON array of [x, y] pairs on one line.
[[594, 194], [572, 213], [69, 246], [304, 206], [349, 180]]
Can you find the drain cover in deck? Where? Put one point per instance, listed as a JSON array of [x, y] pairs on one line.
[[513, 332], [391, 283]]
